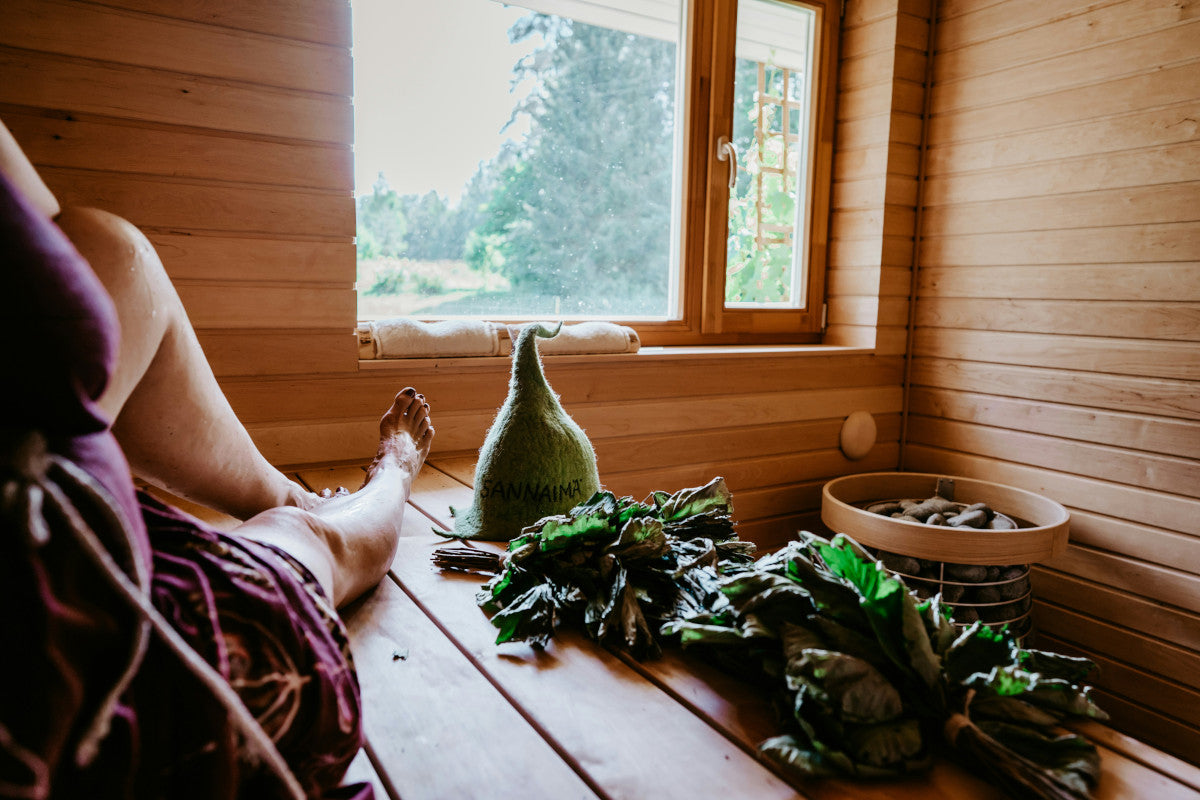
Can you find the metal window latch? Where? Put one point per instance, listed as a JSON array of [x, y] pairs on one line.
[[726, 151]]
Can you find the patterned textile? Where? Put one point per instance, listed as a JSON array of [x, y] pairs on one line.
[[91, 706], [260, 618]]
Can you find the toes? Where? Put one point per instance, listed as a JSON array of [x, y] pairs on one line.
[[405, 401]]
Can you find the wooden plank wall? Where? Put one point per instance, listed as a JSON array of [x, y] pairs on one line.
[[880, 107], [1056, 327], [224, 130], [1058, 316], [221, 129]]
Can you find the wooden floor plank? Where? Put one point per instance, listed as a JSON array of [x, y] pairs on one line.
[[589, 702], [332, 478], [362, 771], [741, 713], [435, 493], [435, 725]]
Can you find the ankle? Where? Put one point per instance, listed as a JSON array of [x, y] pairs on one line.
[[292, 494]]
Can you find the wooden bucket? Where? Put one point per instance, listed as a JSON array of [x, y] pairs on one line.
[[1042, 535], [982, 574]]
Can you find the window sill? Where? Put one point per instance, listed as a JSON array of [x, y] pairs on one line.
[[645, 355]]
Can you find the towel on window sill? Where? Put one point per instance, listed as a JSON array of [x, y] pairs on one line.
[[403, 337]]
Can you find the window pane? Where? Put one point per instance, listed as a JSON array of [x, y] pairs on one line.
[[511, 162], [772, 107]]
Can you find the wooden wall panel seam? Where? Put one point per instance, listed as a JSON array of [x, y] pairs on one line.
[[1168, 398], [984, 61], [1125, 319], [1138, 204], [174, 98], [1131, 119], [993, 14], [1173, 585], [1132, 431], [224, 184], [1133, 130], [1160, 473], [1150, 88], [317, 21], [99, 144], [1169, 660], [1155, 166], [101, 33], [1120, 609]]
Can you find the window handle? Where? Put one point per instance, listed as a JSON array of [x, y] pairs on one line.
[[726, 150]]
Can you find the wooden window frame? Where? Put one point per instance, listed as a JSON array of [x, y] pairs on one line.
[[708, 42], [707, 46]]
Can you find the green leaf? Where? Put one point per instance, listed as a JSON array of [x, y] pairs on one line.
[[574, 530], [532, 617], [895, 745], [790, 753], [1057, 665], [978, 649], [847, 686], [1052, 693], [640, 538], [697, 500], [889, 608]]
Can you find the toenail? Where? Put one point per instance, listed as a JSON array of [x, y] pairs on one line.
[[409, 391]]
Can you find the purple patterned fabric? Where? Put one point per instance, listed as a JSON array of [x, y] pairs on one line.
[[59, 332], [251, 611], [263, 621]]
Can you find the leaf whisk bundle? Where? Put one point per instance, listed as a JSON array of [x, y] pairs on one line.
[[618, 568], [870, 679], [873, 680]]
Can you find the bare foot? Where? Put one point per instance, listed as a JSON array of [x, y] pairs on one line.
[[405, 434], [349, 540]]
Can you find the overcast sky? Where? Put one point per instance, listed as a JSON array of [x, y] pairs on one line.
[[430, 93]]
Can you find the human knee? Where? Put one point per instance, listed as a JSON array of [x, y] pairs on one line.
[[302, 524], [110, 243], [128, 266]]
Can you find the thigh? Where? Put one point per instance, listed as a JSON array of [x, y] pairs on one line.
[[259, 617]]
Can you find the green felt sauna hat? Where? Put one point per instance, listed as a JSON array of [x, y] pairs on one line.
[[535, 461]]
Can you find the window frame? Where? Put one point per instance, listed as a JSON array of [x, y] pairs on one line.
[[710, 34], [707, 48]]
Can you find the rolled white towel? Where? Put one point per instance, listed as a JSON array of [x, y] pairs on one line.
[[584, 338], [403, 337]]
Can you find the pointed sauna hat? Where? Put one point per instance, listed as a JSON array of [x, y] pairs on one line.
[[535, 461]]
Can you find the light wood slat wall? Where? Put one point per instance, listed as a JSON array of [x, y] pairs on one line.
[[223, 129], [1058, 318], [876, 168], [223, 133]]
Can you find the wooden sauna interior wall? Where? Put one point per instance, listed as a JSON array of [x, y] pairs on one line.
[[1055, 342], [1058, 313], [224, 129]]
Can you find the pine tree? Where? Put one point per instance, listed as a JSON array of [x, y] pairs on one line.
[[583, 211]]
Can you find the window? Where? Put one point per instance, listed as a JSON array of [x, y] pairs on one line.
[[658, 162]]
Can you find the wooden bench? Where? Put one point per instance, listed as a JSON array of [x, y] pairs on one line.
[[449, 714]]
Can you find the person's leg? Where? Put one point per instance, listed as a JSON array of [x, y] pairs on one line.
[[348, 541], [16, 167], [178, 431], [170, 416]]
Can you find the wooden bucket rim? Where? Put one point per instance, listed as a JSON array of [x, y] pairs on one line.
[[1046, 539]]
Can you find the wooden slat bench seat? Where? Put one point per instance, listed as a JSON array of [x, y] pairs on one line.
[[449, 714]]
